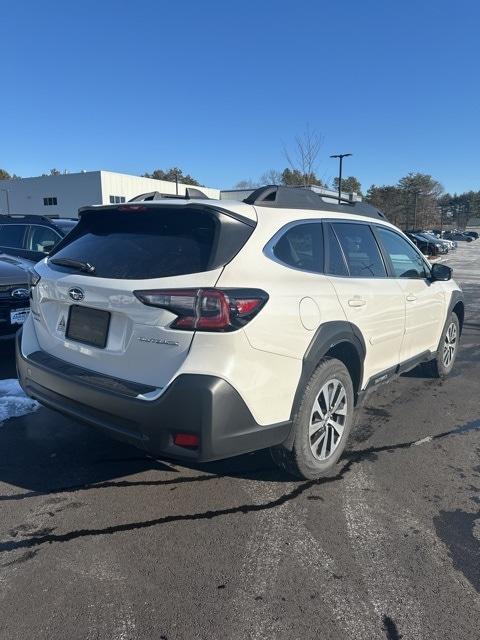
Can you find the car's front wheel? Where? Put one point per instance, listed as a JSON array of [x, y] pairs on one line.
[[321, 424]]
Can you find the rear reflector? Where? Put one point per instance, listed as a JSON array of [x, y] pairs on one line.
[[186, 440], [207, 309]]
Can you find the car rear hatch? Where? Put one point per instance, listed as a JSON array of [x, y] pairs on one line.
[[84, 307]]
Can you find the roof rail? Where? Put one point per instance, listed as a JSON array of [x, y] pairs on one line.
[[190, 194], [304, 198], [28, 217]]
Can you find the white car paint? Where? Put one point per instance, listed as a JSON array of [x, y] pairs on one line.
[[263, 360]]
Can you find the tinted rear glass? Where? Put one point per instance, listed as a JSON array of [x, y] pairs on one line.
[[302, 247], [361, 250], [142, 245], [336, 262]]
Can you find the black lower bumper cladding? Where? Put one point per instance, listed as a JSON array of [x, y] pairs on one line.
[[204, 405]]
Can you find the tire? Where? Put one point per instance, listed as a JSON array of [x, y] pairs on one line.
[[314, 453], [442, 364]]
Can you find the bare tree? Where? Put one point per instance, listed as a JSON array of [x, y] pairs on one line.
[[272, 176], [246, 184], [303, 157]]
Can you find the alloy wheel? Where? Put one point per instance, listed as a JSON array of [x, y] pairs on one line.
[[450, 344], [327, 419]]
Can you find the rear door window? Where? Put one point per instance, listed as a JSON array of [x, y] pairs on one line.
[[336, 262], [360, 249], [12, 235]]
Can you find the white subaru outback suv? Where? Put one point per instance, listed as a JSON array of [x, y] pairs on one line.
[[201, 329]]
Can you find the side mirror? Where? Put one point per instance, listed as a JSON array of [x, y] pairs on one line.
[[441, 273]]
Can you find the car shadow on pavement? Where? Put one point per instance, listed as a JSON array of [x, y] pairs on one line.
[[44, 450], [47, 453]]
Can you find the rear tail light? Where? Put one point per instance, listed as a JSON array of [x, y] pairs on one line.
[[207, 309]]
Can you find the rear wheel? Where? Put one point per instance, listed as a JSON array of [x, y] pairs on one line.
[[443, 363], [321, 425]]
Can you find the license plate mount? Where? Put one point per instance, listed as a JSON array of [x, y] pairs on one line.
[[88, 326], [18, 316]]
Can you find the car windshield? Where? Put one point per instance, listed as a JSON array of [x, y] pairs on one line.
[[66, 225]]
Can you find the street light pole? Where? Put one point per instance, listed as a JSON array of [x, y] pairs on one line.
[[8, 200], [340, 156]]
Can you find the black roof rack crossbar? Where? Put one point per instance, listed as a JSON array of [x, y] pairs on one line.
[[190, 194], [304, 198]]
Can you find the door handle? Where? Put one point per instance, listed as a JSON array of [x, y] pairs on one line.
[[411, 297], [357, 302]]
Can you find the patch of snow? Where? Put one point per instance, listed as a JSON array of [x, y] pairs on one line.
[[422, 441], [13, 402]]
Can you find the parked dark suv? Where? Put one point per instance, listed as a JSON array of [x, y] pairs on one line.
[[24, 241], [32, 237]]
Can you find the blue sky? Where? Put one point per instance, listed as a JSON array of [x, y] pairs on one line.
[[218, 87]]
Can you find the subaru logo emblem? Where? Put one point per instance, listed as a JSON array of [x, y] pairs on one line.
[[76, 294], [20, 293]]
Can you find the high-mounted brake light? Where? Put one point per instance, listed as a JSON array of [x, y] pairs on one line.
[[207, 309], [133, 207]]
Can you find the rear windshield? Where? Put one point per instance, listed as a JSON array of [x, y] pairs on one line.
[[142, 245]]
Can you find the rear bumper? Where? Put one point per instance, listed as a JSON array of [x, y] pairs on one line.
[[203, 405]]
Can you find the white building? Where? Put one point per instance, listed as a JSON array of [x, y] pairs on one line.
[[62, 195]]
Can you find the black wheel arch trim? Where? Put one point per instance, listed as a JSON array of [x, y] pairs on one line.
[[456, 297], [326, 337]]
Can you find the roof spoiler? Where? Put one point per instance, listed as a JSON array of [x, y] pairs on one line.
[[304, 198]]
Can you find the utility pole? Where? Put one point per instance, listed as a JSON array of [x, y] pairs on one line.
[[340, 156], [8, 200]]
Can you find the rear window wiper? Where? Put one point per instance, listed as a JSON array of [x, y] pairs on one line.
[[74, 264]]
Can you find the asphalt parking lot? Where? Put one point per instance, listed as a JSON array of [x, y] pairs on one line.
[[98, 541]]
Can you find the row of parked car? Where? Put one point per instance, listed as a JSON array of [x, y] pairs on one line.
[[436, 242], [24, 241]]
